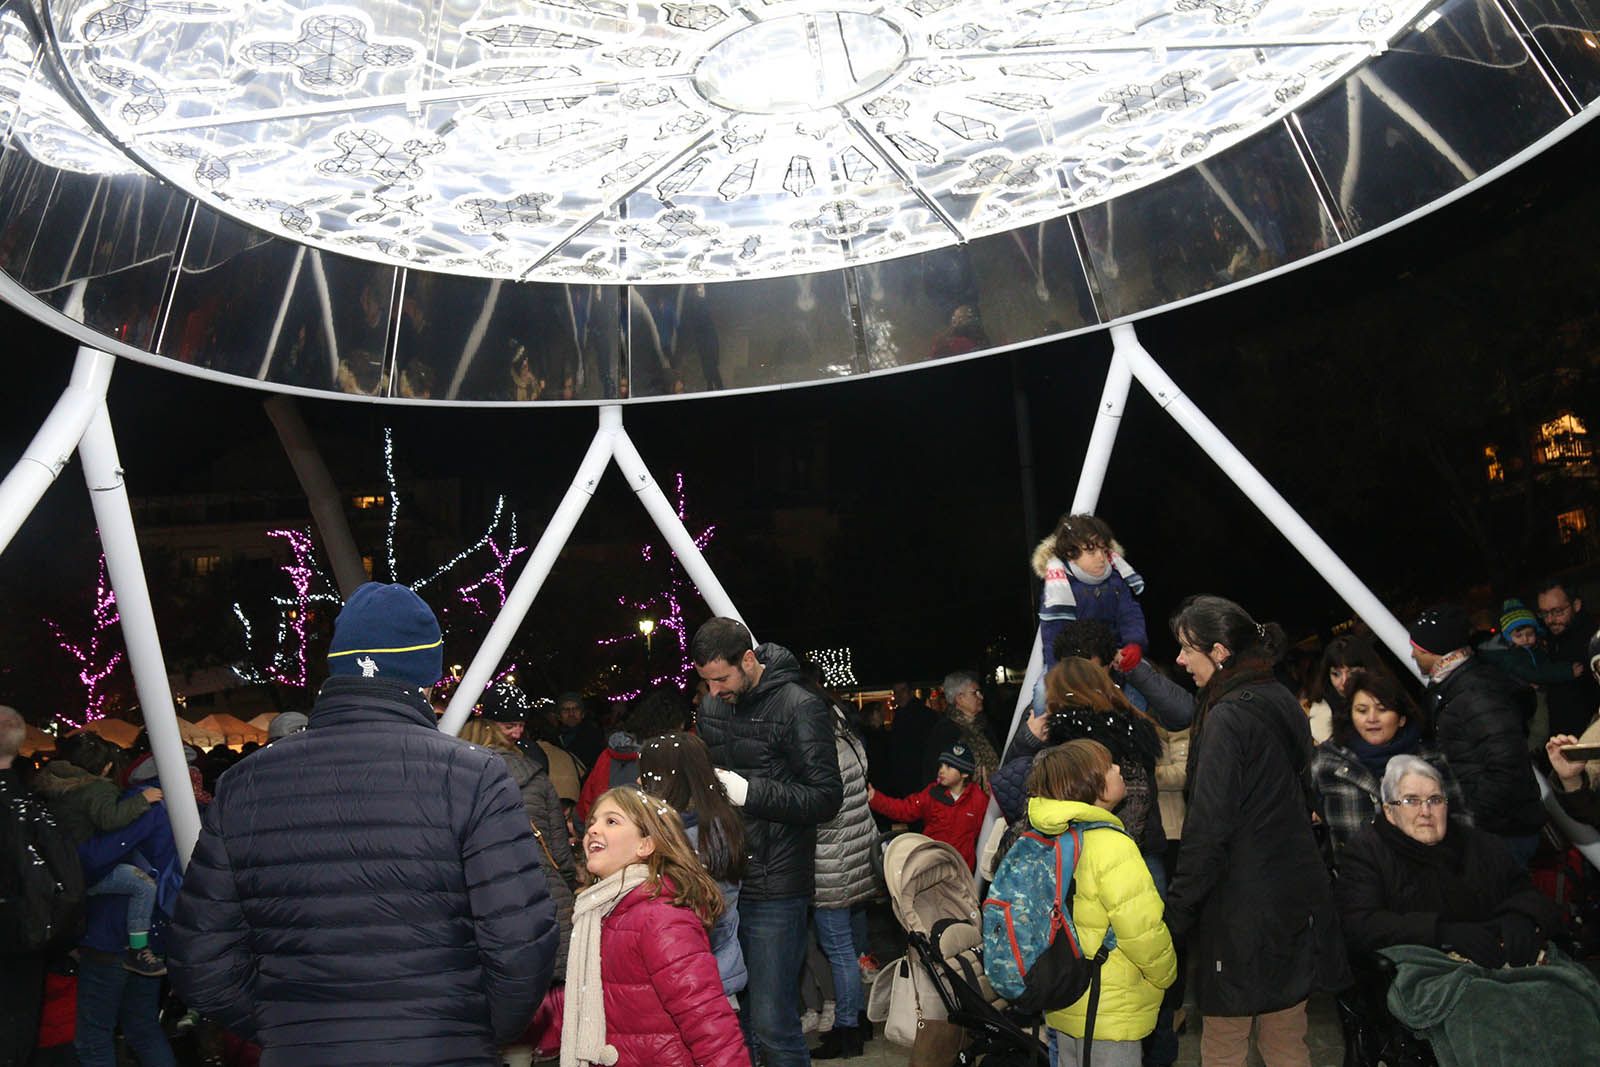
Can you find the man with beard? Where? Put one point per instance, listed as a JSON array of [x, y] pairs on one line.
[[772, 742], [1572, 704]]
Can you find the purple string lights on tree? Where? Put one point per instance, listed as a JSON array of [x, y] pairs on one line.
[[671, 618], [95, 667]]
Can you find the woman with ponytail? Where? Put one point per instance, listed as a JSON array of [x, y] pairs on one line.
[[1251, 894]]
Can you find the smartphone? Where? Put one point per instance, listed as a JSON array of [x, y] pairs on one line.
[[1580, 753]]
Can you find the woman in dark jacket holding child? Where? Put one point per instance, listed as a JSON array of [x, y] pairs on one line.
[[1251, 891]]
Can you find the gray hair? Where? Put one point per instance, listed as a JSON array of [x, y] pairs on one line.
[[956, 681], [12, 730], [1399, 767]]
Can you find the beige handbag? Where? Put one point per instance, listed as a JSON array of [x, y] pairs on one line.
[[902, 998]]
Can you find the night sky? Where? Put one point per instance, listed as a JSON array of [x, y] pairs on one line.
[[1352, 383]]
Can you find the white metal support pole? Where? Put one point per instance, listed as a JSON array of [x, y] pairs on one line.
[[53, 445], [537, 569], [1107, 420], [1024, 707], [672, 528], [103, 472], [327, 505], [1271, 503]]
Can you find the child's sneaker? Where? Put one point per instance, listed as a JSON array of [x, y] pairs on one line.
[[144, 962], [869, 966]]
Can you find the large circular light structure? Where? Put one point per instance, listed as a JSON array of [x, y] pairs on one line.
[[596, 200], [692, 140]]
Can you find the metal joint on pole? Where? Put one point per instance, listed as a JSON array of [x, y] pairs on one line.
[[47, 454], [1268, 500], [102, 471], [535, 571]]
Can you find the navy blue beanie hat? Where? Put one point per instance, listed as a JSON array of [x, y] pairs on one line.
[[960, 758], [387, 631]]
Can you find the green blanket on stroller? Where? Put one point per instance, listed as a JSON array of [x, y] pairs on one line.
[[1477, 1017]]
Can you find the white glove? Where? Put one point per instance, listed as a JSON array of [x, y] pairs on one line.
[[737, 785]]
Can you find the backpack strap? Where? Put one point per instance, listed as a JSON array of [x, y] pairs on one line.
[[1094, 999]]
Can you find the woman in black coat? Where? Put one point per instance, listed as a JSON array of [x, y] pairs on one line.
[[1251, 895]]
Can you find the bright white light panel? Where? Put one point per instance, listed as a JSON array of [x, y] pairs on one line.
[[616, 141]]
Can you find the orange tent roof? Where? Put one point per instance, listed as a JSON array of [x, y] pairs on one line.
[[233, 729], [119, 733], [36, 740]]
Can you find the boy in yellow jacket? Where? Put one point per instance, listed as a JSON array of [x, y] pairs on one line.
[[1079, 782]]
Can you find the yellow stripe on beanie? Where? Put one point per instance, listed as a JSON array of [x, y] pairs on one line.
[[382, 651]]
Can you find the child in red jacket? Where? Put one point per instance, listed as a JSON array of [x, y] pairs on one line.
[[642, 985], [950, 810]]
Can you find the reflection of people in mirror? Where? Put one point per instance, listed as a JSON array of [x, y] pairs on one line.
[[965, 334]]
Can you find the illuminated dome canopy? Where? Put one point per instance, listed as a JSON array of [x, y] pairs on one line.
[[592, 201], [693, 140]]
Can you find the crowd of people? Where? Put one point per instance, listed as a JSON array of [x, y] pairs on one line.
[[655, 885]]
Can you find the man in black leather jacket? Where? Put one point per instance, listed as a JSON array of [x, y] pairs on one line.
[[772, 742], [1480, 718]]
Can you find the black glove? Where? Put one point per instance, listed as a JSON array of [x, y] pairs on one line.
[[1478, 942], [1521, 939]]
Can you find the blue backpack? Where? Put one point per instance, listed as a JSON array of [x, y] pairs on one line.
[[1031, 952]]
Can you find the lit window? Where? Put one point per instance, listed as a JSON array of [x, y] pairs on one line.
[[1564, 440], [1491, 457], [366, 565], [367, 503], [202, 565], [1569, 524]]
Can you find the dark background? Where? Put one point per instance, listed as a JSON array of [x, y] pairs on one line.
[[887, 515]]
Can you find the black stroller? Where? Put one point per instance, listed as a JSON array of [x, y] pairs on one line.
[[936, 901]]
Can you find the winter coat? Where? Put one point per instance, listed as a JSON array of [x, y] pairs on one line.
[[908, 738], [779, 737], [617, 765], [1172, 774], [1479, 721], [566, 771], [725, 932], [954, 820], [85, 804], [585, 741], [1393, 890], [373, 864], [1113, 889], [1348, 794], [846, 841], [147, 843], [543, 806], [1572, 704], [1532, 665], [1135, 747], [664, 1004], [1251, 891], [1064, 597]]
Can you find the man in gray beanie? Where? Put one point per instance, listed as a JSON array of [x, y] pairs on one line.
[[368, 891]]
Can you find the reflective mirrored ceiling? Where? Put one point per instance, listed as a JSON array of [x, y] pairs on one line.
[[581, 201]]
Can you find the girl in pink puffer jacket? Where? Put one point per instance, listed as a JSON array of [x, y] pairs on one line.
[[642, 985]]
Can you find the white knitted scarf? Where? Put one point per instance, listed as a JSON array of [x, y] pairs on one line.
[[583, 1019]]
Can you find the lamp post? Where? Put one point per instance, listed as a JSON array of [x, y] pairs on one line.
[[647, 626]]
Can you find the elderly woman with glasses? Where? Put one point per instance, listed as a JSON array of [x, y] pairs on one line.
[[1411, 878]]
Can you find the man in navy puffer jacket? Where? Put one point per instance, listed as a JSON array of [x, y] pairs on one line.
[[368, 891]]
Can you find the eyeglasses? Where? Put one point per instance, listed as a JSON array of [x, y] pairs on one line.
[[1556, 613], [1435, 801]]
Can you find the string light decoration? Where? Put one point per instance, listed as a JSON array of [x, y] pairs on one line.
[[312, 585], [666, 607], [96, 661], [838, 670], [394, 500]]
